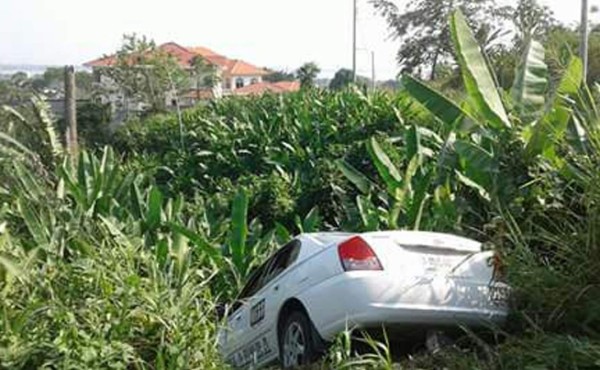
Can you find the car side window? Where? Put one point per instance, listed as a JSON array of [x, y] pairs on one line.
[[251, 287], [281, 261], [268, 271]]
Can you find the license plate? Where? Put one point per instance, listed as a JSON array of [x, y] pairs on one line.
[[435, 263]]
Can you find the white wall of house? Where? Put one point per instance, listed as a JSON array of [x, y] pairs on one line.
[[218, 91], [116, 98], [200, 79], [248, 80], [112, 92]]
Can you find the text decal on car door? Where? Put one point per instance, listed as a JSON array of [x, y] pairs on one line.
[[255, 352], [257, 313]]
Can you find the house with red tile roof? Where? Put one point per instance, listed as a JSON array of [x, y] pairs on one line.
[[236, 77]]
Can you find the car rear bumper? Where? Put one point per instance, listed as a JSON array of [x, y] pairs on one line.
[[369, 299]]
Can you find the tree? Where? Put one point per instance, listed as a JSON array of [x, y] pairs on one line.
[[341, 79], [204, 74], [53, 78], [504, 60], [307, 74], [85, 84], [563, 42], [278, 76], [93, 120], [16, 91], [533, 20], [20, 79], [146, 74], [344, 77], [424, 33]]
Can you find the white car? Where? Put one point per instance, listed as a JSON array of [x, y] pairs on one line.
[[319, 284]]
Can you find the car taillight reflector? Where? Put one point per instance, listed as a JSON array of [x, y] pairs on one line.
[[496, 262], [355, 254]]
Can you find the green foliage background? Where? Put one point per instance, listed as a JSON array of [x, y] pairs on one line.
[[117, 257]]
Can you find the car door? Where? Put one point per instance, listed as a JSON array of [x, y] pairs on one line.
[[254, 348], [236, 337], [237, 324], [264, 305]]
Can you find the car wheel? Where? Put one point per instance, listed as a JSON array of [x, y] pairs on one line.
[[296, 345]]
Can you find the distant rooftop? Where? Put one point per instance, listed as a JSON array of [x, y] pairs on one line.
[[186, 55]]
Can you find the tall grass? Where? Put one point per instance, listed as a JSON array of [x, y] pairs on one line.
[[112, 306]]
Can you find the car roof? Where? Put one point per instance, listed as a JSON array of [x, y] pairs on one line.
[[312, 243], [324, 239]]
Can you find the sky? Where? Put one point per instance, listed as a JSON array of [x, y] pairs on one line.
[[280, 34]]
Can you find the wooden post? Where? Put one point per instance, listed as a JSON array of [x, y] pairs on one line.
[[71, 110]]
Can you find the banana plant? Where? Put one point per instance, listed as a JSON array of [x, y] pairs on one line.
[[239, 233], [37, 138], [531, 81], [311, 222], [484, 98], [483, 123], [401, 201], [96, 186], [246, 243]]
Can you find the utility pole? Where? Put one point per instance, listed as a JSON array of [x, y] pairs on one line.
[[354, 11], [373, 70], [71, 110], [584, 37]]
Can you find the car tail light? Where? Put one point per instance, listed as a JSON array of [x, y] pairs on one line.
[[355, 254], [496, 262]]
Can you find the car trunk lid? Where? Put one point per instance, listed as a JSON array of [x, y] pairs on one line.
[[423, 253], [431, 260]]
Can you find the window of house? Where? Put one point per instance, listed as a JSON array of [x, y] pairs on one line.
[[239, 82], [254, 81]]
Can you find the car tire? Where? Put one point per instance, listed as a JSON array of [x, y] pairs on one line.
[[296, 341]]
